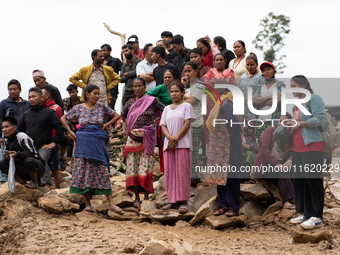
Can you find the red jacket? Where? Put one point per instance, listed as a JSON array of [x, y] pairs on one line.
[[57, 109]]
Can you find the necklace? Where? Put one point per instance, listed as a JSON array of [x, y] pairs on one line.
[[91, 108], [238, 62]]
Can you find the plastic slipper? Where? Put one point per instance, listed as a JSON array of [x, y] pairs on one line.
[[221, 211], [169, 206], [231, 213], [183, 209], [31, 185], [289, 207]]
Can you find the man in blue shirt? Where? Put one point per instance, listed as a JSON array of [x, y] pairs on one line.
[[14, 106]]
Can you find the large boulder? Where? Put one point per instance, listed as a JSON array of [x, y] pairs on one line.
[[255, 191], [54, 204], [172, 247], [221, 221], [65, 193], [14, 207], [311, 236], [21, 192], [203, 194], [205, 211], [167, 215], [252, 208]]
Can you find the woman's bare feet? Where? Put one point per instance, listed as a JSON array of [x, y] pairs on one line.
[[116, 209]]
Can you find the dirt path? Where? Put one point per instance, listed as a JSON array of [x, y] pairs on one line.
[[39, 232]]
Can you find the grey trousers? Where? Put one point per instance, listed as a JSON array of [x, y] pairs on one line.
[[45, 155]]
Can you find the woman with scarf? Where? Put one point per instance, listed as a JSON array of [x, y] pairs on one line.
[[138, 117], [219, 72], [175, 124], [162, 91], [91, 162], [225, 150]]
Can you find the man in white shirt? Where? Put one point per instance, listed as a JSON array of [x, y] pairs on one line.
[[146, 66]]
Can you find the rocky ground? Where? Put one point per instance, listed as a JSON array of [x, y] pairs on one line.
[[52, 222]]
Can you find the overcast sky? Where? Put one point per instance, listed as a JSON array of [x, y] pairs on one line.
[[58, 36]]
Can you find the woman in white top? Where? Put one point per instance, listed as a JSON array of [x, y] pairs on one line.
[[238, 64]]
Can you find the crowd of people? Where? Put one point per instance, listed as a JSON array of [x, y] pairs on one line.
[[162, 105]]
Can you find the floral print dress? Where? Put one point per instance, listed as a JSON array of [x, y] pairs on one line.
[[87, 174]]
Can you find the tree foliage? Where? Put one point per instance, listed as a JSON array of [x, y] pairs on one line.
[[270, 39]]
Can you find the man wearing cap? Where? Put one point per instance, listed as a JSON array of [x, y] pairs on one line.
[[40, 81], [133, 40], [97, 74], [146, 66], [128, 72]]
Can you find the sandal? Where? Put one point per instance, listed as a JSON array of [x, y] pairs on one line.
[[88, 210], [31, 185], [183, 209], [231, 213], [169, 206], [289, 207], [221, 211]]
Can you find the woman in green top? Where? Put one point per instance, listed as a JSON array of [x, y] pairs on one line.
[[161, 91]]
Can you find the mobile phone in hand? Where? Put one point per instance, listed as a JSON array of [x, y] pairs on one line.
[[6, 152]]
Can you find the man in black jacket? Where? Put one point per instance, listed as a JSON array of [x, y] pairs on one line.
[[29, 166], [183, 54], [38, 123]]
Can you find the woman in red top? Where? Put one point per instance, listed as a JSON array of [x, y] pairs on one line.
[[307, 157], [207, 52]]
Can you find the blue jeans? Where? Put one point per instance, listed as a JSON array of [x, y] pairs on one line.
[[3, 177]]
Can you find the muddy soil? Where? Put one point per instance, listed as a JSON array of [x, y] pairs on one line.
[[39, 232]]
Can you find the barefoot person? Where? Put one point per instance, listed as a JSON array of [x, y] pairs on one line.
[[91, 161], [138, 117], [175, 124]]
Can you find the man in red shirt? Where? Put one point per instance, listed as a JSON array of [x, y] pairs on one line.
[[48, 94], [133, 40]]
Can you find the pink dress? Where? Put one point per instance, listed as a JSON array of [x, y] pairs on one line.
[[177, 161]]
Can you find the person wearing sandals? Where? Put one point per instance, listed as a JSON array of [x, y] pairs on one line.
[[91, 166], [307, 151], [275, 151], [175, 124], [225, 149], [139, 115], [29, 166]]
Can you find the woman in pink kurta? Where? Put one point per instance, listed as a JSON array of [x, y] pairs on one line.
[[175, 124]]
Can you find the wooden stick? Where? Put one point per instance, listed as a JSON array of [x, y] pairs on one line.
[[122, 36]]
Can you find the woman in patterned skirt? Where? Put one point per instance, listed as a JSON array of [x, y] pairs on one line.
[[175, 124], [139, 115], [225, 154], [91, 161]]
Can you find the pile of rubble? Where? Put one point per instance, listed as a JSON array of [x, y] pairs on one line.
[[260, 202]]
